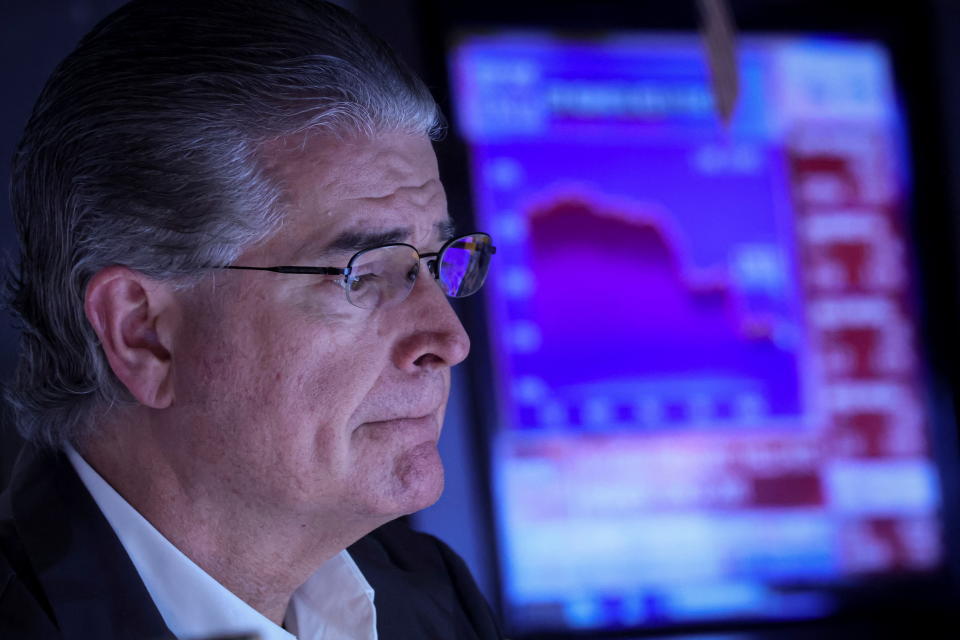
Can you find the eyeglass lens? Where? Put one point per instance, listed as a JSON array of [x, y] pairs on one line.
[[382, 276], [463, 265], [386, 275]]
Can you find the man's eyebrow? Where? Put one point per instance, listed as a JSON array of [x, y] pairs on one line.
[[353, 241], [446, 230], [360, 240]]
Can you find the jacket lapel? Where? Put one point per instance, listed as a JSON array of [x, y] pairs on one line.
[[90, 582], [413, 596]]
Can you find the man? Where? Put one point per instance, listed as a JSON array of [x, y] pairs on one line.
[[235, 356]]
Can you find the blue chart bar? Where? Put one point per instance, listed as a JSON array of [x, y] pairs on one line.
[[709, 393]]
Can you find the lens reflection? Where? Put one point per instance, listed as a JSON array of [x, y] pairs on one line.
[[464, 263], [385, 275]]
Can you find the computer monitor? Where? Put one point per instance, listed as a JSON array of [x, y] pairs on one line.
[[711, 400]]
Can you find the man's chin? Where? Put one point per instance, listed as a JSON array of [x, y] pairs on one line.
[[418, 475]]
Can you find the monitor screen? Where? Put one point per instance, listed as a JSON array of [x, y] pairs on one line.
[[710, 398]]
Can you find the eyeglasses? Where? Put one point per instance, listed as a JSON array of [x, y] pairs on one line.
[[383, 276]]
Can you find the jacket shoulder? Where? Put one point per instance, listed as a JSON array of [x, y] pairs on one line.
[[24, 611], [418, 561]]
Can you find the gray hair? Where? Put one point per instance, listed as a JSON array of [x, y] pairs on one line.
[[144, 150]]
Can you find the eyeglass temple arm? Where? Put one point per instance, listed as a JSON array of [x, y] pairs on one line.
[[334, 271], [331, 271]]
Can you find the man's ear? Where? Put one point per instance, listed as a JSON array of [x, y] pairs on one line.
[[134, 317]]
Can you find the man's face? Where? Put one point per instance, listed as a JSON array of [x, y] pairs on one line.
[[290, 398]]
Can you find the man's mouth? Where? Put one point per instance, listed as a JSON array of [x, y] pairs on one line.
[[427, 425]]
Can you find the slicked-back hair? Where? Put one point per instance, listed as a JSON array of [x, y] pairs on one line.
[[143, 150]]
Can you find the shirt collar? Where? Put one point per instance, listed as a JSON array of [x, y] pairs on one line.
[[335, 602]]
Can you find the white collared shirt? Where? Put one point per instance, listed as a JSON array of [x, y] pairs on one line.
[[335, 603]]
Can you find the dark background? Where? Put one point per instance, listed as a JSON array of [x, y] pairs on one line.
[[925, 38]]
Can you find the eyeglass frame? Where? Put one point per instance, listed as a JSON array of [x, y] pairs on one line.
[[433, 266]]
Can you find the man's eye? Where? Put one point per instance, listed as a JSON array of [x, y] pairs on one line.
[[357, 283], [413, 272]]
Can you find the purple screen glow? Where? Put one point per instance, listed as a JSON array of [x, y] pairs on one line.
[[708, 390]]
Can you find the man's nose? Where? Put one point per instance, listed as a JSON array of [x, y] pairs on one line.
[[435, 337]]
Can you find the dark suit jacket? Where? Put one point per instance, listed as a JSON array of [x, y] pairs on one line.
[[64, 573]]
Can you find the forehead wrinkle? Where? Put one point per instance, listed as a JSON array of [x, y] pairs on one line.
[[347, 181], [430, 190], [367, 193], [351, 237], [386, 166]]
